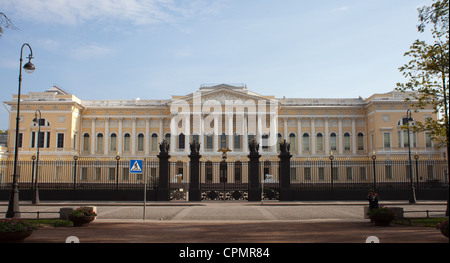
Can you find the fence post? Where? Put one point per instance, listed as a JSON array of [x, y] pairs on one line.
[[374, 157], [285, 171], [253, 172], [163, 188], [194, 186], [75, 158]]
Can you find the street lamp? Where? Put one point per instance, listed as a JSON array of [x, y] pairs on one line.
[[409, 119], [331, 164], [374, 157], [35, 199], [117, 170], [13, 205]]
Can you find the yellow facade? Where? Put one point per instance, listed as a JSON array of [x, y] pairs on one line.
[[316, 128]]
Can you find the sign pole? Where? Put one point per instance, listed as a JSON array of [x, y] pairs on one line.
[[145, 189]]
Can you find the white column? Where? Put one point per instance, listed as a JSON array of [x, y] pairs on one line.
[[147, 137], [120, 137], [285, 136], [299, 136], [230, 132], [187, 134], [327, 137], [106, 137], [313, 136], [202, 134], [133, 138], [354, 147], [172, 145], [244, 134], [161, 131], [93, 137], [258, 132], [340, 137], [216, 132]]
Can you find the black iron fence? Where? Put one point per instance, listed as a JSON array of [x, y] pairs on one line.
[[227, 180]]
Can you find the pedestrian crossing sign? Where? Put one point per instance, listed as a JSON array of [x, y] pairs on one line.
[[136, 166]]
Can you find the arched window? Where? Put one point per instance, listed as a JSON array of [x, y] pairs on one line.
[[346, 141], [333, 141], [154, 146], [99, 142], [86, 142], [319, 142], [305, 142], [140, 142], [126, 142], [292, 142], [113, 143]]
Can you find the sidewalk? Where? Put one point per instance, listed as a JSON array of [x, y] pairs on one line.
[[233, 222]]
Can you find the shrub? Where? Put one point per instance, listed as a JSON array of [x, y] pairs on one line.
[[82, 211], [15, 225]]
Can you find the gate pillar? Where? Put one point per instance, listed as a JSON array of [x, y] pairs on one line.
[[163, 186], [254, 193], [285, 172], [194, 182]]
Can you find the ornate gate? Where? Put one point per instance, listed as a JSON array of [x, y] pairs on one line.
[[224, 180]]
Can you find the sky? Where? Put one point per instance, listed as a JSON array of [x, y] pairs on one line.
[[153, 49]]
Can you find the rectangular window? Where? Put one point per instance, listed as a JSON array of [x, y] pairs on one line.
[[349, 173], [60, 143], [48, 140], [321, 173], [388, 171], [387, 140], [293, 174], [98, 173], [84, 173], [430, 173], [125, 174], [41, 139], [305, 143], [237, 142], [33, 139], [428, 140], [307, 173], [209, 142], [112, 173], [19, 140], [335, 173], [362, 173]]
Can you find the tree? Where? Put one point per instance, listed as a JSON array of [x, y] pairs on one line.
[[5, 22], [428, 73]]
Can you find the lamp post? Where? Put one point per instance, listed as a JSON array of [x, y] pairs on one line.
[[374, 157], [331, 160], [117, 171], [35, 199], [13, 205], [75, 159], [416, 157], [412, 199]]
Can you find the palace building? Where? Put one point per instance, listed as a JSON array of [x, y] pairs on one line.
[[217, 116]]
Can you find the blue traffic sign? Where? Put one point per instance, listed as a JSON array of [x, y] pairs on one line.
[[136, 166]]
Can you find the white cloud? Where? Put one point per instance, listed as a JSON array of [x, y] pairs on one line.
[[90, 50], [73, 12]]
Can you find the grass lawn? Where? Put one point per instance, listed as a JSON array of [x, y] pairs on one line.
[[49, 222], [428, 222]]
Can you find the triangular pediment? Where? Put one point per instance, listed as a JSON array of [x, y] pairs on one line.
[[223, 93]]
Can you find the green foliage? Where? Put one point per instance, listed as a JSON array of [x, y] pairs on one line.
[[15, 225], [382, 211], [427, 72], [81, 212]]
